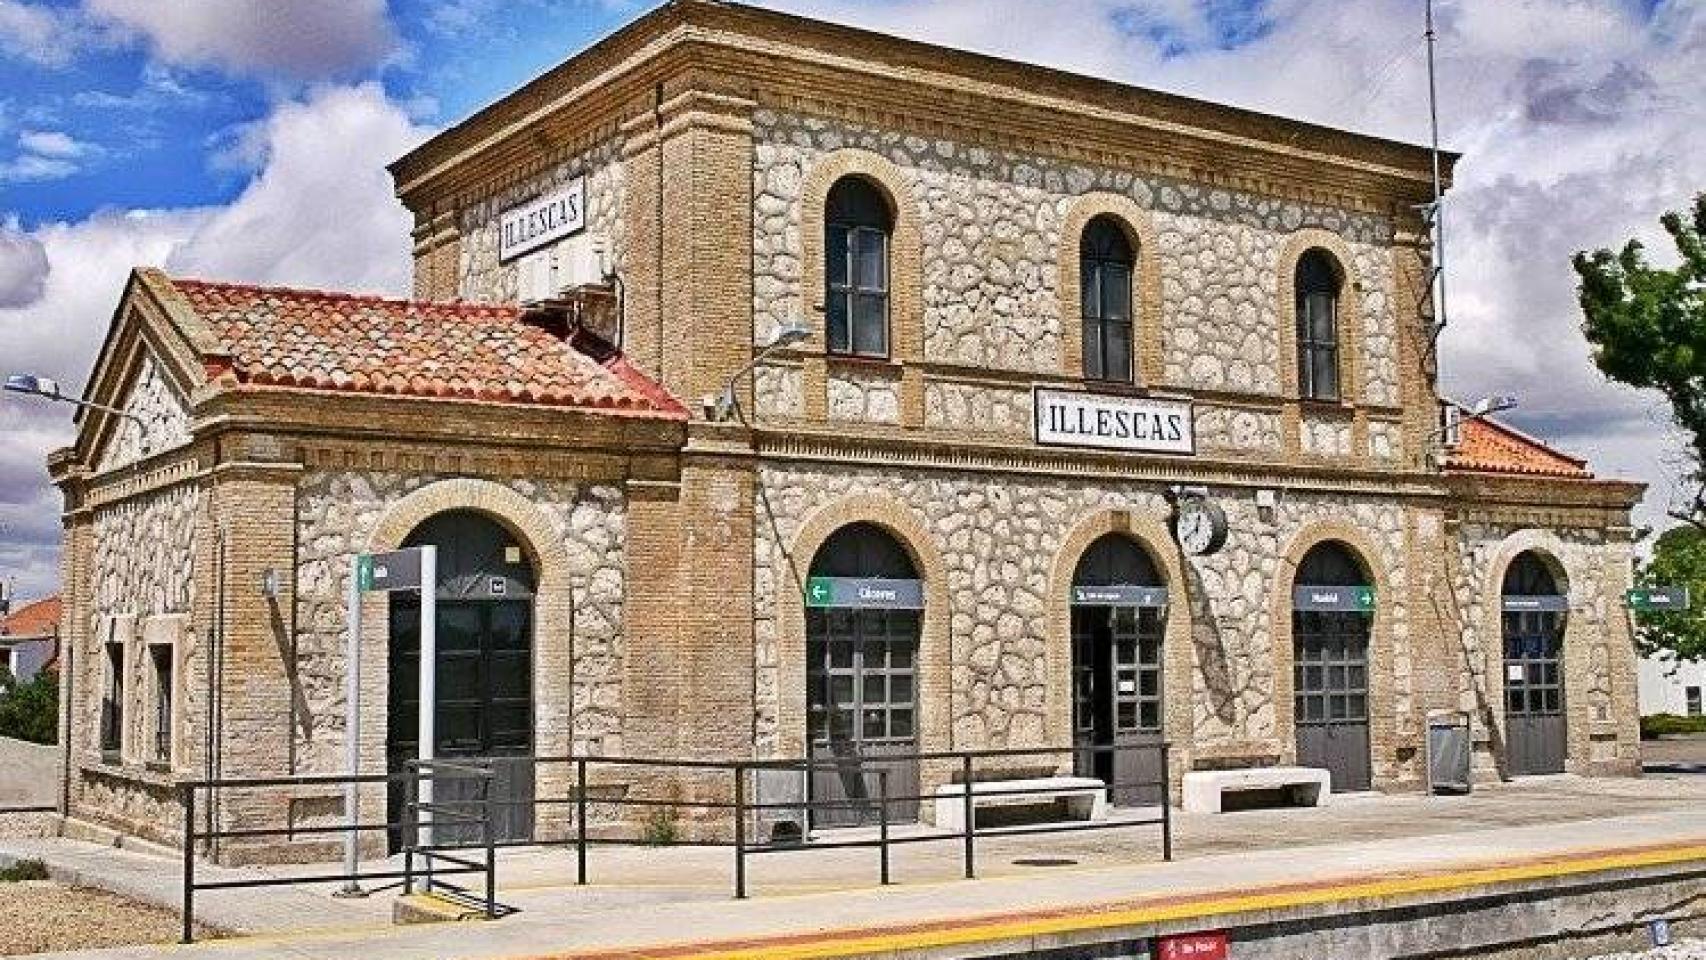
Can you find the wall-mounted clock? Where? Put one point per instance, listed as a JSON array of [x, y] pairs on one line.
[[1199, 525]]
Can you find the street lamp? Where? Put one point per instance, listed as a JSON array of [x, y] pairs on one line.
[[720, 408], [1482, 408], [31, 385]]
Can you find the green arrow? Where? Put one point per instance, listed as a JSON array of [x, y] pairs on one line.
[[364, 572], [1365, 598], [817, 593]]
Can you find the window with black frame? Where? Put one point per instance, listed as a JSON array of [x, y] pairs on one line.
[[112, 705], [1318, 326], [161, 656], [1105, 262], [857, 227]]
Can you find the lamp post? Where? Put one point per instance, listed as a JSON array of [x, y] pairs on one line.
[[720, 408], [1480, 409], [32, 385]]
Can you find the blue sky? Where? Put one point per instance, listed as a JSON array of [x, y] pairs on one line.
[[247, 140], [146, 130]]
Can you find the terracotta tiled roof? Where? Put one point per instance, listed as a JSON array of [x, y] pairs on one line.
[[312, 339], [37, 619], [1485, 446]]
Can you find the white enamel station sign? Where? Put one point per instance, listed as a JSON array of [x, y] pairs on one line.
[[1066, 418], [542, 220]]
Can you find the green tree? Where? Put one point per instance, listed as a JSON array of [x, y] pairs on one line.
[[30, 710], [1679, 559], [1648, 329]]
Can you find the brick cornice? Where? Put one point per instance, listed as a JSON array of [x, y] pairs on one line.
[[781, 59]]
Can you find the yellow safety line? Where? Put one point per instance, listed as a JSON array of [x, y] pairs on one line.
[[833, 944]]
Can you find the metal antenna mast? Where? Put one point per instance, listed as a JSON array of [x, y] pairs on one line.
[[1436, 213]]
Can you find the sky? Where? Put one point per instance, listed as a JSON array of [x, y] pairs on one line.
[[247, 139]]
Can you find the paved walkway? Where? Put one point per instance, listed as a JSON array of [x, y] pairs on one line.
[[653, 898]]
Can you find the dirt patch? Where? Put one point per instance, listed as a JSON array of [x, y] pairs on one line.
[[43, 916]]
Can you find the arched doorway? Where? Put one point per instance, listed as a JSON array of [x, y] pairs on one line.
[[485, 667], [1331, 621], [1533, 609], [864, 606], [1118, 623]]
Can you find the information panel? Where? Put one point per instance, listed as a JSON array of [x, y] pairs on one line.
[[1333, 599], [1119, 596]]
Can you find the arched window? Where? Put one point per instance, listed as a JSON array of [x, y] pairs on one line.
[[1104, 272], [857, 226], [1318, 326]]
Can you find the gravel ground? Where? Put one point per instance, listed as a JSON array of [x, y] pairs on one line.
[[42, 916], [1680, 950]]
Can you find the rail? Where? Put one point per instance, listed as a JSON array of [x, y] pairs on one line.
[[436, 860]]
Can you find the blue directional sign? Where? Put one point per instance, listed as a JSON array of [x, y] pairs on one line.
[[1544, 603], [1333, 599]]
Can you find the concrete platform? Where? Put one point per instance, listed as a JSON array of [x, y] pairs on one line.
[[1268, 866]]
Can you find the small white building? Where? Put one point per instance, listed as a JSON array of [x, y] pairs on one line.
[[1671, 686]]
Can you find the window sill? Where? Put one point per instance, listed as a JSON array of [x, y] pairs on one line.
[[1339, 407], [158, 766], [862, 362], [112, 758]]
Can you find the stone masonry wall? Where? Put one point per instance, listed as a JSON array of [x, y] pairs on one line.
[[1595, 642], [484, 279], [991, 223], [998, 537], [162, 422], [337, 513]]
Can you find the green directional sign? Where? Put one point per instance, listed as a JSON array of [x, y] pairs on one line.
[[1333, 599], [818, 592], [1647, 599], [400, 570], [865, 593]]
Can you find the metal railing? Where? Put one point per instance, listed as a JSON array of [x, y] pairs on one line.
[[436, 860], [965, 764]]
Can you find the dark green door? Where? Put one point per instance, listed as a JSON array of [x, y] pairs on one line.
[[484, 676], [1117, 671]]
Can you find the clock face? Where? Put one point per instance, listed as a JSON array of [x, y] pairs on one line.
[[1199, 526]]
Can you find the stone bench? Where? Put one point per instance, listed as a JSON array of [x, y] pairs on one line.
[[1203, 789], [1085, 798]]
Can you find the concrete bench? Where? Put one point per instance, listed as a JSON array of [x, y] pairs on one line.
[[1085, 798], [1203, 789]]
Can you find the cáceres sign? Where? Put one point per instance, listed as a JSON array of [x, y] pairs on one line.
[[542, 220], [865, 593], [1069, 418]]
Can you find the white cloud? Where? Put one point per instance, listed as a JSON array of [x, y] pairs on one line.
[[23, 268], [38, 33], [318, 212], [298, 39], [30, 167], [52, 143]]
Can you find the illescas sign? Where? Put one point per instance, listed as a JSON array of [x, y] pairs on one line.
[[537, 222], [1066, 418], [865, 593]]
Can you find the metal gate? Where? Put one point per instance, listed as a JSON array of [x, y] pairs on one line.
[[484, 673], [1116, 697], [1330, 636], [1330, 676], [1533, 634]]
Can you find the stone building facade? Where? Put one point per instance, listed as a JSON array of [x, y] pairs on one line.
[[668, 546]]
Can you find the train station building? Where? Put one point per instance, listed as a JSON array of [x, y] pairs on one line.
[[1058, 412]]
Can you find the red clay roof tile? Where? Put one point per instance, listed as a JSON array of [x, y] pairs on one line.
[[37, 619], [1485, 446], [319, 340]]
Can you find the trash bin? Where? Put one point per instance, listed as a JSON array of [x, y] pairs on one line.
[[1450, 748]]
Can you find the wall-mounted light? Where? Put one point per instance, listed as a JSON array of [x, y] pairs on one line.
[[270, 583], [1267, 504], [725, 406]]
